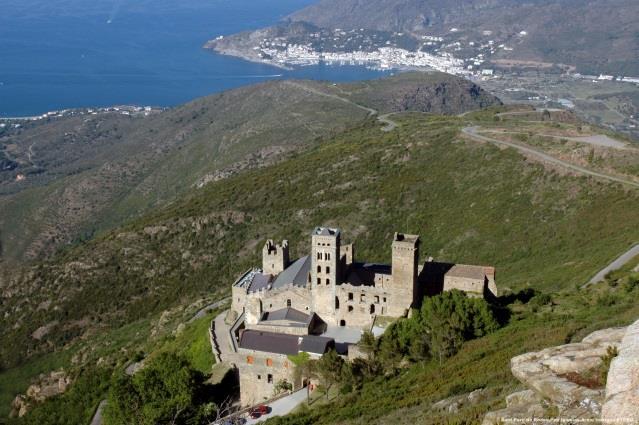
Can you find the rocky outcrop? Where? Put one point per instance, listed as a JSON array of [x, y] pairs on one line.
[[453, 404], [47, 386], [560, 380], [622, 386]]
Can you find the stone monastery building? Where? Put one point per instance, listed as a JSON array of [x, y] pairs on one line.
[[320, 301]]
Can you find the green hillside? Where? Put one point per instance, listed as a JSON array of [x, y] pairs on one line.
[[470, 202], [88, 173]]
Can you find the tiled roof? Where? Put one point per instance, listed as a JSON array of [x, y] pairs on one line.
[[467, 271], [296, 273], [325, 231], [287, 313], [272, 342]]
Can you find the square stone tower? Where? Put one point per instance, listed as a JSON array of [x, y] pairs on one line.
[[403, 286], [325, 271], [275, 258]]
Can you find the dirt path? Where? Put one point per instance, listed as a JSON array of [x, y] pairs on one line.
[[473, 132], [389, 124]]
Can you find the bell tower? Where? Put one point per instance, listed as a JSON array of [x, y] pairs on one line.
[[403, 285], [325, 263]]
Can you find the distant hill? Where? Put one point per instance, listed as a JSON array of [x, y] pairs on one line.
[[88, 173], [593, 35]]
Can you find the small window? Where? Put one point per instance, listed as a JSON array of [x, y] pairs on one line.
[[319, 269], [319, 281], [288, 303], [319, 255], [384, 299], [269, 362], [372, 310], [350, 296], [376, 299], [270, 306], [328, 269], [269, 378], [342, 323], [362, 298], [328, 281], [350, 308], [336, 303], [328, 256], [259, 377], [249, 359]]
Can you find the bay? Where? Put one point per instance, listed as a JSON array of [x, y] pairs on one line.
[[61, 54]]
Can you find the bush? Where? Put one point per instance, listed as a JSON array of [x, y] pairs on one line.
[[165, 391]]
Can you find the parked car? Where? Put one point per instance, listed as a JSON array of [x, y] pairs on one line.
[[258, 411]]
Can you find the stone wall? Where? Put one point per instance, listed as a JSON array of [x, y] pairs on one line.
[[622, 387], [358, 305], [472, 287], [259, 374]]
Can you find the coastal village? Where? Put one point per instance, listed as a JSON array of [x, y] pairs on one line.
[[325, 300]]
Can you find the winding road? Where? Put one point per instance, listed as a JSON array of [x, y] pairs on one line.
[[615, 265], [473, 133], [389, 124]]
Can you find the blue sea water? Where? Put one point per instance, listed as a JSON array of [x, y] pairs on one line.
[[58, 54]]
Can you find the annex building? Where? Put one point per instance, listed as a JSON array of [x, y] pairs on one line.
[[324, 300]]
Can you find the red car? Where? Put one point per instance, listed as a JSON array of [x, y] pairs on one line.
[[258, 411]]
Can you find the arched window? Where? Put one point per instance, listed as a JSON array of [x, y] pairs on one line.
[[319, 269], [328, 281], [336, 303], [350, 308], [328, 269], [372, 308], [288, 303]]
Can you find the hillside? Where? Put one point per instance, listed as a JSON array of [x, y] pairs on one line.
[[541, 226], [91, 172], [593, 36]]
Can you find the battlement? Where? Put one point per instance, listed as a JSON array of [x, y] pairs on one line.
[[275, 257]]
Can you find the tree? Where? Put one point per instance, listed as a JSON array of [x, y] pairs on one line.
[[330, 367], [304, 369], [164, 392], [368, 343]]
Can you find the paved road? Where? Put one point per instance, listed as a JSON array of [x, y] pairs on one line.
[[473, 132], [389, 124], [283, 406], [203, 311], [97, 418], [617, 264], [222, 336]]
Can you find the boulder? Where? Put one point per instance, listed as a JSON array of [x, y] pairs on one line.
[[622, 387], [549, 392]]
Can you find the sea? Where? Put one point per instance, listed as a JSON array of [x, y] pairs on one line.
[[61, 54]]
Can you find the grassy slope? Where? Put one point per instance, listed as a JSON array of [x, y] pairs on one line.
[[115, 169], [470, 202], [483, 363]]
